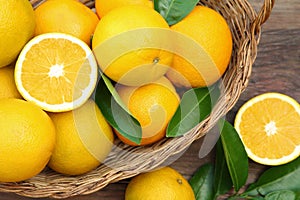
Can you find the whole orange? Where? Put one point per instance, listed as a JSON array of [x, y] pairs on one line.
[[66, 16], [84, 139], [162, 184], [153, 105], [209, 30], [127, 45], [16, 28], [104, 6], [27, 140]]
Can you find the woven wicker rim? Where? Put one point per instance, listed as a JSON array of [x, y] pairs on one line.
[[125, 161]]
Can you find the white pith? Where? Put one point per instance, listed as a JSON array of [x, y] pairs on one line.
[[270, 128], [56, 71]]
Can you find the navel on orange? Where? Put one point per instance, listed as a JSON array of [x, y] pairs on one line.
[[269, 127], [56, 71]]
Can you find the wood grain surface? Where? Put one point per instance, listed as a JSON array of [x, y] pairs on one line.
[[276, 69]]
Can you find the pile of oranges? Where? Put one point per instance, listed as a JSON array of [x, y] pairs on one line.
[[50, 58]]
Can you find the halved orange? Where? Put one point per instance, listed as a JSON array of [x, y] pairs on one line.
[[269, 127], [56, 71]]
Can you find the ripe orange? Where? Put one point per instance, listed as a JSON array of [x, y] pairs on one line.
[[127, 42], [27, 140], [66, 16], [211, 32], [153, 105], [104, 6], [17, 27], [163, 184], [269, 127], [84, 139], [8, 87], [56, 71]]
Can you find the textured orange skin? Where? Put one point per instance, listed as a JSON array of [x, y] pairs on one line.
[[16, 28], [210, 30], [153, 105], [163, 184], [105, 6], [66, 16], [27, 140]]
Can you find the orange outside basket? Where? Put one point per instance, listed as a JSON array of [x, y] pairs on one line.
[[126, 161]]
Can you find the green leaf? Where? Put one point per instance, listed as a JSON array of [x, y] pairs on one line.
[[202, 182], [238, 197], [115, 112], [281, 195], [174, 10], [222, 179], [257, 198], [196, 104], [284, 177], [113, 92], [297, 195], [235, 154]]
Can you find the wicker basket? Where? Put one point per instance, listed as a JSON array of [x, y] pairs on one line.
[[125, 161]]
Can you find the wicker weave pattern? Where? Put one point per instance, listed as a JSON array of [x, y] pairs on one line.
[[125, 161]]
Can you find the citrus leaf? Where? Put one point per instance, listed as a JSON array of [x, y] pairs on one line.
[[284, 177], [196, 104], [222, 180], [235, 154], [113, 92], [174, 10], [240, 197], [256, 198], [202, 182], [297, 195], [281, 195], [115, 112]]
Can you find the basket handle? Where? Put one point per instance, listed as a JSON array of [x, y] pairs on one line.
[[263, 15]]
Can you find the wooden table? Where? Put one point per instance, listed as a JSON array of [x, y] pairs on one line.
[[277, 69]]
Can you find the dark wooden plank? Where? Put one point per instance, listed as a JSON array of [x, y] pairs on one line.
[[285, 14]]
